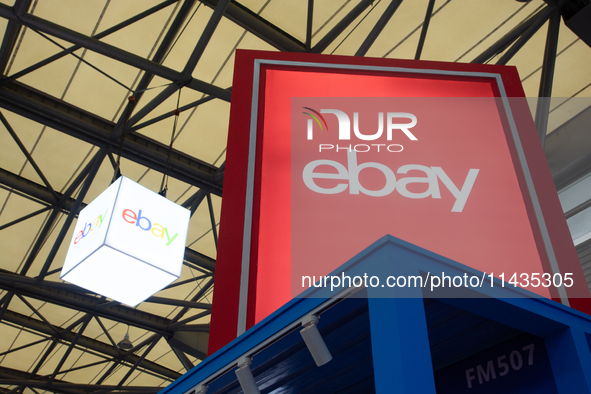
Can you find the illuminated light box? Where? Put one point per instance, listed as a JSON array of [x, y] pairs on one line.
[[326, 154], [128, 243]]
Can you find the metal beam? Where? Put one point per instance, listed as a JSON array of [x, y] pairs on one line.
[[58, 294], [8, 375], [98, 36], [35, 190], [54, 215], [196, 297], [86, 342], [199, 259], [259, 26], [191, 342], [40, 361], [525, 37], [36, 312], [193, 328], [545, 92], [163, 48], [75, 388], [426, 22], [379, 26], [157, 322], [175, 302], [97, 161], [42, 194], [11, 33], [184, 282], [5, 302], [572, 171], [23, 218], [139, 361], [145, 110], [177, 326], [42, 236], [29, 157], [341, 26], [219, 176], [568, 149], [59, 115], [170, 113], [212, 218], [206, 35], [111, 51], [508, 38], [195, 200], [187, 364], [309, 25], [71, 346], [118, 361], [28, 345]]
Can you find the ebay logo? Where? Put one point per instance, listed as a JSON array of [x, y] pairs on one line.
[[145, 224], [349, 178], [88, 227]]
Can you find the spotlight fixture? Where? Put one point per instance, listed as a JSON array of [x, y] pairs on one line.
[[245, 377], [125, 343], [314, 341]]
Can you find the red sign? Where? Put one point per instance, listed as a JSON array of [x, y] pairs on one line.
[[327, 154]]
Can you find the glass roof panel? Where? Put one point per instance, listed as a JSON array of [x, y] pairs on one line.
[[138, 38], [295, 25], [81, 17]]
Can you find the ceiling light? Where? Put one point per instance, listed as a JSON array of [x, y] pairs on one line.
[[128, 244], [245, 376], [125, 343]]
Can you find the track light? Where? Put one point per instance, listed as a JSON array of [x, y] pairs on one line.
[[314, 341], [125, 343], [245, 378]]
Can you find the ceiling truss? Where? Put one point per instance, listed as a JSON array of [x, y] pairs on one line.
[[111, 138]]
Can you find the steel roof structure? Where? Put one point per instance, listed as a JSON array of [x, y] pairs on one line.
[[69, 69]]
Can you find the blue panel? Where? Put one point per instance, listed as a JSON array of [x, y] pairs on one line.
[[280, 319], [388, 345], [286, 366], [571, 360], [400, 344]]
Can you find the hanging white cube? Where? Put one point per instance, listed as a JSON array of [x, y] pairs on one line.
[[128, 243]]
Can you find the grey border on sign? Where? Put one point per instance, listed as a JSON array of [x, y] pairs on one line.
[[245, 265]]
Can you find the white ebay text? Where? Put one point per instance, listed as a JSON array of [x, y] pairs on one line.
[[349, 178]]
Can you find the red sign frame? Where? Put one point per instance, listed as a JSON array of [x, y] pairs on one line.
[[235, 294]]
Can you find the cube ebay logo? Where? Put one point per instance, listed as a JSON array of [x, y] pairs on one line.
[[128, 243]]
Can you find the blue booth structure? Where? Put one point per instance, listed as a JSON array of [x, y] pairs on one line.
[[486, 337]]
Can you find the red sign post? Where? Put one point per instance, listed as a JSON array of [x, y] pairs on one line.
[[326, 154]]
